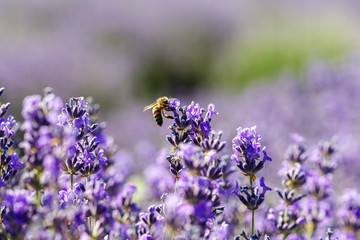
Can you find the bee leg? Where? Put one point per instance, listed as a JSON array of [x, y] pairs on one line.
[[168, 116]]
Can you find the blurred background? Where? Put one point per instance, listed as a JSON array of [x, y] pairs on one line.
[[285, 66]]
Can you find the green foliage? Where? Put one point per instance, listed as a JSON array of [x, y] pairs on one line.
[[265, 53]]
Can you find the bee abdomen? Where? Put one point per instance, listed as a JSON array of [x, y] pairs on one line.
[[157, 115]]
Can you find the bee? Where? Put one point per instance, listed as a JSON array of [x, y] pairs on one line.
[[158, 108]]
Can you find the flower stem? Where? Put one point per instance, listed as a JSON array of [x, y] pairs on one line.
[[252, 221], [181, 134], [4, 232], [286, 218], [311, 225], [286, 213], [37, 197], [71, 181], [253, 210], [89, 218], [38, 187], [309, 229]]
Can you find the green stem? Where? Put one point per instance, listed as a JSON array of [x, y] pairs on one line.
[[181, 134], [38, 187], [37, 197], [253, 210], [285, 218], [89, 220], [310, 227], [71, 181], [252, 221], [4, 232], [286, 213]]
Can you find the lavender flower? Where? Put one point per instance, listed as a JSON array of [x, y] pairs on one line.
[[295, 177], [288, 196], [17, 210], [42, 202], [327, 158], [349, 212], [247, 147], [9, 159], [286, 221], [252, 197], [319, 186], [329, 234]]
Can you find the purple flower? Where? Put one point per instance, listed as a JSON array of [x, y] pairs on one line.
[[296, 153], [125, 196], [173, 104], [247, 143], [220, 231], [205, 128], [320, 186], [18, 204], [247, 147], [160, 180], [177, 213], [211, 112], [15, 163], [316, 211], [51, 164], [101, 158], [193, 157], [53, 105], [251, 197], [262, 184], [203, 211], [30, 105], [73, 197], [295, 177], [193, 111], [6, 125], [96, 189], [349, 212], [286, 226]]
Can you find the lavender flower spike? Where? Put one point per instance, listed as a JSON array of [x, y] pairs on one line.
[[251, 197], [247, 148]]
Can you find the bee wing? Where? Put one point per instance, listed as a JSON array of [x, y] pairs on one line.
[[150, 106]]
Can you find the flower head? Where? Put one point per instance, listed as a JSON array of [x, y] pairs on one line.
[[247, 149]]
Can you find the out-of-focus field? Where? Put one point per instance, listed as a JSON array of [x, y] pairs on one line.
[[121, 51]]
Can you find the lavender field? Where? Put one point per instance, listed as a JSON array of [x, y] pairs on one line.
[[256, 137]]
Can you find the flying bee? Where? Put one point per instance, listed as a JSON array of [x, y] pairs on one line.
[[158, 109]]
